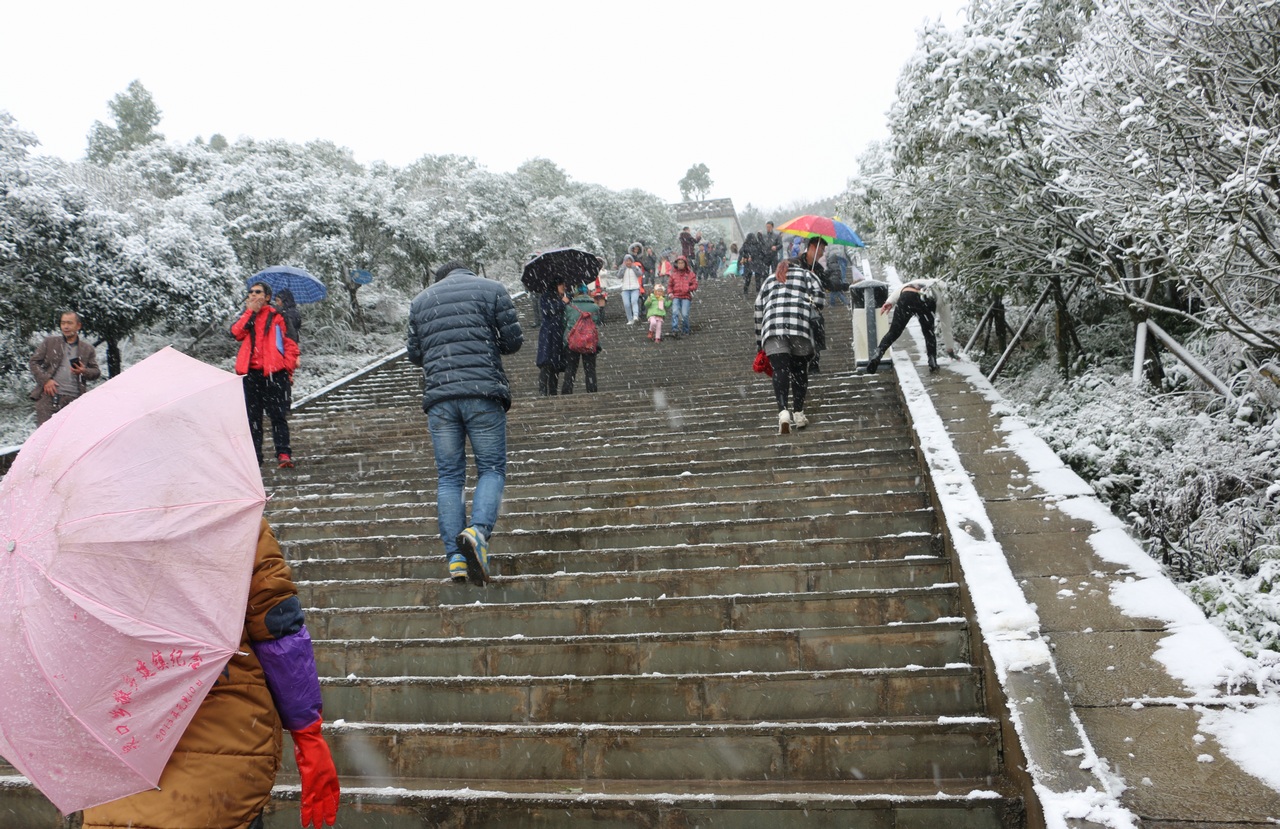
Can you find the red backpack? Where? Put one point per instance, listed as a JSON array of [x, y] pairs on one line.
[[583, 336]]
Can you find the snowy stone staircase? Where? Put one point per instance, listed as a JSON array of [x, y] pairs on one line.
[[693, 621]]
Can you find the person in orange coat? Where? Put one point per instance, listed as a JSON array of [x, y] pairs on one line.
[[221, 772], [267, 359]]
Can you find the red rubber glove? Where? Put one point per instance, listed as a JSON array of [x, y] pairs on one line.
[[319, 777]]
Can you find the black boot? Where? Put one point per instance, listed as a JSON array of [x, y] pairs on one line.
[[933, 365], [874, 362]]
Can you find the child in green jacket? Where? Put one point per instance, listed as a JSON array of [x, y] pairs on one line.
[[655, 308]]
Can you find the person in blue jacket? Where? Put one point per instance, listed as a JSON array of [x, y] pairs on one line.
[[459, 330]]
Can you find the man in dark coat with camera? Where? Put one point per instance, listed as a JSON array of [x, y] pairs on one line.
[[62, 365], [459, 330]]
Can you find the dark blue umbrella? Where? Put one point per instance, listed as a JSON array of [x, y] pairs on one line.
[[306, 288], [571, 266]]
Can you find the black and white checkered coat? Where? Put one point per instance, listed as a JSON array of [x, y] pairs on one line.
[[786, 308]]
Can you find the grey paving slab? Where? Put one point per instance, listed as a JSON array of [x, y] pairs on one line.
[[1032, 516], [1106, 668], [1053, 554], [1064, 606], [1165, 759], [1103, 656]]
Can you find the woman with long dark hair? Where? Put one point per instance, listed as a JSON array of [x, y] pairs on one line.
[[553, 356], [786, 308]]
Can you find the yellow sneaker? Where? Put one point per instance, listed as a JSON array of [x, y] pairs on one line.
[[475, 548]]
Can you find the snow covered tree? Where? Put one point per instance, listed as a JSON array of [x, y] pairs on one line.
[[622, 218], [136, 117], [1167, 131], [542, 178], [696, 182], [967, 193], [560, 222], [38, 221]]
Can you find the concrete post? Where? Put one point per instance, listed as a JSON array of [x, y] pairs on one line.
[[867, 297]]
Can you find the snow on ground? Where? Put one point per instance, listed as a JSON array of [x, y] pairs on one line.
[[1195, 652], [1009, 623]]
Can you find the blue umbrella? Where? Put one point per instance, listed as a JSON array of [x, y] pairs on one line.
[[306, 288]]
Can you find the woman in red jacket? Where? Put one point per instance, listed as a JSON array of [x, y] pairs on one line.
[[680, 286], [267, 359]]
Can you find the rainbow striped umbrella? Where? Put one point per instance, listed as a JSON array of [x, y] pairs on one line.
[[834, 231]]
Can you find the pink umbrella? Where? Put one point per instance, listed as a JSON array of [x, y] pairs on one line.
[[128, 527]]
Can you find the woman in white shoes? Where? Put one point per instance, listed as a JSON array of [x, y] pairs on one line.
[[785, 307], [632, 276]]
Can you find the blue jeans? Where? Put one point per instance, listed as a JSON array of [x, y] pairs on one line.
[[631, 303], [679, 316], [452, 423]]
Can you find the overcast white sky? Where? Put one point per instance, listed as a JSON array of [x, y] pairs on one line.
[[777, 100]]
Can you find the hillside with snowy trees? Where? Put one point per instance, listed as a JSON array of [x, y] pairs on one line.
[[1100, 182], [1097, 179]]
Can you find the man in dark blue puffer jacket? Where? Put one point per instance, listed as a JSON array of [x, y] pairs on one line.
[[459, 328]]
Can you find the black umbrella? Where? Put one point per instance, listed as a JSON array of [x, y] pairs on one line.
[[571, 266]]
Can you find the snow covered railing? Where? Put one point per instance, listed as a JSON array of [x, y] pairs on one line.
[[350, 378]]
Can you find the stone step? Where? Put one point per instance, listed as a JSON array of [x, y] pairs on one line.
[[868, 495], [671, 516], [585, 540], [623, 584], [857, 693], [846, 403], [402, 558], [656, 394], [700, 613], [711, 414], [895, 645], [300, 494], [408, 463], [954, 748], [807, 480], [668, 803], [369, 803], [405, 383]]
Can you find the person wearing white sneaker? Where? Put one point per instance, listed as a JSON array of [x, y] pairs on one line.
[[632, 285], [784, 313]]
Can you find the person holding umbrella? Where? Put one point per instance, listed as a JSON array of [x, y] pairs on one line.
[[552, 274], [288, 308], [267, 359], [224, 766], [154, 626], [552, 356]]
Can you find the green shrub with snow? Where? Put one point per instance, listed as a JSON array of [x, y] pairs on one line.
[[1199, 487]]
